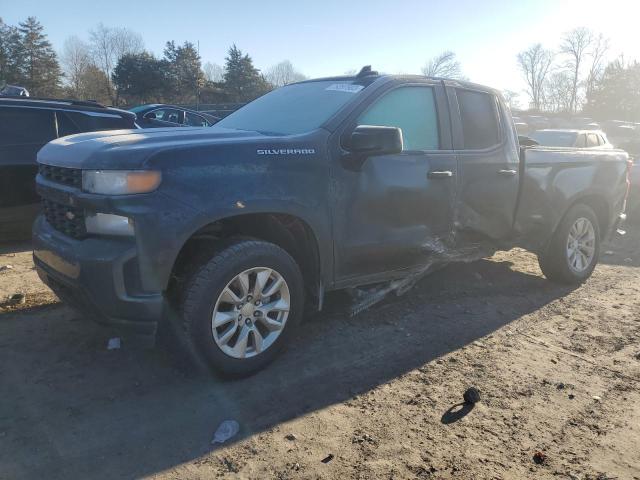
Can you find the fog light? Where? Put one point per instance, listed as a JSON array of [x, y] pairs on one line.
[[108, 224]]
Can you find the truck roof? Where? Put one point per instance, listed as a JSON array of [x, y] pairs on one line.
[[366, 77]]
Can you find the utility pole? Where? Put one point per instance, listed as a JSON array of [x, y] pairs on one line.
[[198, 85]]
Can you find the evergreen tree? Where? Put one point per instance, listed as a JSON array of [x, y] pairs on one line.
[[617, 95], [10, 59], [242, 80], [139, 78], [184, 72], [40, 71]]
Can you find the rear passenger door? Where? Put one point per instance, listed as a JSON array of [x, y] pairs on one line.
[[394, 212], [488, 163]]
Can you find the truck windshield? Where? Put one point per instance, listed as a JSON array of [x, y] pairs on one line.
[[293, 109], [554, 139]]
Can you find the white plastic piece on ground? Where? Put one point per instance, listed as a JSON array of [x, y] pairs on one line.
[[113, 343], [226, 430]]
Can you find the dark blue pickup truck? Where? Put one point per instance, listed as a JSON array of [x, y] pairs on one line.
[[361, 182]]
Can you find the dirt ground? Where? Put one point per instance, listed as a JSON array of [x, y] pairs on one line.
[[374, 396]]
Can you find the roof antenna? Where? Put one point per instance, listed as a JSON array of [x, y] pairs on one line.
[[365, 72]]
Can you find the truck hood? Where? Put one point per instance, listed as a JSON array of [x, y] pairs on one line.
[[130, 149]]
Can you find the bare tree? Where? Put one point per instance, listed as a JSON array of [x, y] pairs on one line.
[[511, 98], [535, 63], [213, 72], [108, 45], [443, 65], [283, 73], [575, 45], [599, 49], [557, 92], [75, 59]]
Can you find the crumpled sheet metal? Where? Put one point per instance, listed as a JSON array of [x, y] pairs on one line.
[[441, 256]]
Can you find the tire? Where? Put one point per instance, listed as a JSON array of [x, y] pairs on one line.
[[555, 261], [218, 287]]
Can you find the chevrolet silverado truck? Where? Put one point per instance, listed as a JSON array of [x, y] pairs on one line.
[[338, 183]]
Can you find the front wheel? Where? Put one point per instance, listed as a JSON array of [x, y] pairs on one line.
[[241, 307], [574, 249]]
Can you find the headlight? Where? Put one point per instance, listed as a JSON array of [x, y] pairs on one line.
[[120, 182], [108, 224]]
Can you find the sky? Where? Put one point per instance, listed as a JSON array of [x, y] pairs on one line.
[[331, 37]]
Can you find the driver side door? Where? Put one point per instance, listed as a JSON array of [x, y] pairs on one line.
[[394, 212]]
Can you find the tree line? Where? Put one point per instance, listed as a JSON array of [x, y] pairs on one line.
[[113, 67], [579, 76]]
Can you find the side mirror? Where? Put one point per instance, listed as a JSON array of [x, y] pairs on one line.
[[375, 140], [525, 141]]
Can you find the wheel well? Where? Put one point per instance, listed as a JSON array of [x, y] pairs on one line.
[[600, 207], [290, 233]]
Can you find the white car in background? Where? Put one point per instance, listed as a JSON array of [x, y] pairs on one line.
[[570, 138]]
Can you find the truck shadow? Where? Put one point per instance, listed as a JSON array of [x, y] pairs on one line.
[[72, 409], [8, 247]]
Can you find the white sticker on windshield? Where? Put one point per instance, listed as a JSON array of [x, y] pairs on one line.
[[345, 87]]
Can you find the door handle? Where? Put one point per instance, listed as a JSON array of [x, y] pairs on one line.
[[507, 173], [440, 174]]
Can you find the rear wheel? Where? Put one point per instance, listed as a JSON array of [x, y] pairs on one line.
[[574, 249], [242, 306]]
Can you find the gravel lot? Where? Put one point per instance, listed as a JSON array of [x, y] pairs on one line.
[[375, 396]]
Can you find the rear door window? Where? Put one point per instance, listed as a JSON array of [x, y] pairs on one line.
[[93, 122], [23, 126], [193, 120], [166, 115], [592, 140], [479, 116], [66, 125], [581, 142], [413, 110]]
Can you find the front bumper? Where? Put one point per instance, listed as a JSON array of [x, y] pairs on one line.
[[99, 276]]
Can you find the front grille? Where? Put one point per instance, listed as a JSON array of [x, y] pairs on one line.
[[66, 176], [65, 219]]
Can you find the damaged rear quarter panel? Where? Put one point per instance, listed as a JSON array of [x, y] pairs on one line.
[[554, 179]]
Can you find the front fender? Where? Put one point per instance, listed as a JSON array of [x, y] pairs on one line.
[[210, 186]]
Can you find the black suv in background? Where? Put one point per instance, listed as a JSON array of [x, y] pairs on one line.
[[26, 124]]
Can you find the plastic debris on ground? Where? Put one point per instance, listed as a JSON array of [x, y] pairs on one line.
[[539, 458], [226, 430], [15, 299], [471, 396], [113, 343]]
